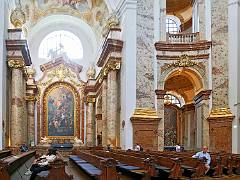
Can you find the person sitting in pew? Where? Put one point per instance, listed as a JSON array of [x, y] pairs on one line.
[[137, 147], [204, 154], [41, 164]]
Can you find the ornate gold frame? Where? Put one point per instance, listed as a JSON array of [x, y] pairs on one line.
[[76, 110]]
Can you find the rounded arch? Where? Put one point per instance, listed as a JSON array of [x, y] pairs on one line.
[[185, 82], [194, 76], [67, 23]]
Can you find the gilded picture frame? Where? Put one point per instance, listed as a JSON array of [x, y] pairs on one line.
[[55, 87]]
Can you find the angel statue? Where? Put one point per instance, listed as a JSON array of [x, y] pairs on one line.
[[77, 142], [45, 141]]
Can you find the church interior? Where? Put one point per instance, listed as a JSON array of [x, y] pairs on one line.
[[116, 86]]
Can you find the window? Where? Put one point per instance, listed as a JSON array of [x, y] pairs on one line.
[[61, 43], [172, 26], [171, 99]]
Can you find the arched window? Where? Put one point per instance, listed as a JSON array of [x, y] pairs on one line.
[[61, 42], [172, 24], [171, 99]]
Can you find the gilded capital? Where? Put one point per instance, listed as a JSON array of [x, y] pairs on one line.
[[16, 63], [90, 99], [30, 98]]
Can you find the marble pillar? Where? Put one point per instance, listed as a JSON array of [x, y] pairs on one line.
[[163, 11], [234, 69], [90, 122], [31, 120], [202, 20], [160, 112], [145, 54], [18, 125], [104, 112], [219, 53], [112, 108], [201, 114]]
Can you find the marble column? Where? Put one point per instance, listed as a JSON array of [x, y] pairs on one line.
[[31, 120], [219, 53], [104, 112], [18, 126], [160, 112], [145, 54], [234, 69], [90, 122], [112, 108], [163, 10], [202, 20], [202, 113]]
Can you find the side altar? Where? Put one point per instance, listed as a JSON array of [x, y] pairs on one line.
[[60, 106]]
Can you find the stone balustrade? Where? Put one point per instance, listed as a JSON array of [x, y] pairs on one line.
[[183, 37]]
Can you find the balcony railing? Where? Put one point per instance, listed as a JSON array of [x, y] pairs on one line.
[[183, 38]]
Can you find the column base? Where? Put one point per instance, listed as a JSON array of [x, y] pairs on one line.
[[145, 128], [220, 130]]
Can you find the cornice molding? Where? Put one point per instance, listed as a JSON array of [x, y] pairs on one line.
[[160, 93], [110, 46], [203, 95]]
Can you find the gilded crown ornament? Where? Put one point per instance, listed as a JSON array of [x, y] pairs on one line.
[[184, 61], [91, 72], [18, 17], [112, 20], [31, 72]]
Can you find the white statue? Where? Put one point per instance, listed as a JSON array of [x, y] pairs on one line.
[[45, 141], [77, 142]]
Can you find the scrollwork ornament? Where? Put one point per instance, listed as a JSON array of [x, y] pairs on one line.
[[16, 63]]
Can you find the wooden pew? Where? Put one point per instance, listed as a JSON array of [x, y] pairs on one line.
[[57, 171], [170, 166], [131, 164], [95, 166], [10, 164], [194, 166], [5, 153], [3, 170]]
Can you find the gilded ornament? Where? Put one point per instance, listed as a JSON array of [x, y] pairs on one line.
[[90, 99], [31, 72], [18, 17], [221, 112], [30, 98], [112, 20], [112, 65], [16, 63], [91, 72], [184, 61]]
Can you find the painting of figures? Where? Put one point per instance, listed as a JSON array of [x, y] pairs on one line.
[[60, 112]]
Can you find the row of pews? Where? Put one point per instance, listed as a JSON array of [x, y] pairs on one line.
[[104, 165], [10, 163]]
